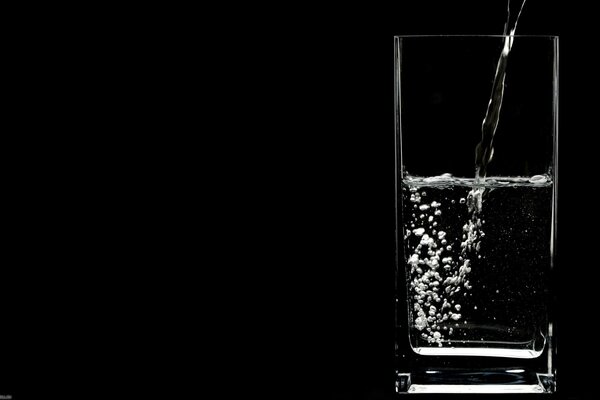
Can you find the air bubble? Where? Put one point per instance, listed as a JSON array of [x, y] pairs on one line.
[[420, 323], [419, 231], [462, 200], [538, 179]]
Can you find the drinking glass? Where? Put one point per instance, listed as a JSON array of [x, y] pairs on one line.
[[475, 253]]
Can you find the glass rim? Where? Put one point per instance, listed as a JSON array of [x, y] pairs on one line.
[[476, 36]]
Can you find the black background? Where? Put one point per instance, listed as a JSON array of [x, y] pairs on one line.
[[331, 171], [305, 179]]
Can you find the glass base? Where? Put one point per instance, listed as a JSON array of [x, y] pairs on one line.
[[457, 381]]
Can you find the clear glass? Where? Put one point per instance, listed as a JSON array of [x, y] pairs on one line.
[[475, 257]]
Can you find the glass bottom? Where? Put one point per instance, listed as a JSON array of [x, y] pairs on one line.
[[457, 381], [476, 351]]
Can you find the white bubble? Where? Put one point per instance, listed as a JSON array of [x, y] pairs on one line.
[[430, 218], [423, 207], [437, 335], [413, 260], [448, 247], [419, 231], [462, 200], [435, 204], [457, 307], [422, 216], [438, 212], [451, 280], [420, 323], [435, 224], [441, 234], [456, 317], [538, 179], [475, 308], [426, 240]]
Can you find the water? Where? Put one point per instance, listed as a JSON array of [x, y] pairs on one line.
[[478, 278], [484, 151]]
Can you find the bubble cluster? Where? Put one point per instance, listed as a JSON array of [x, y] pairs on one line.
[[437, 275]]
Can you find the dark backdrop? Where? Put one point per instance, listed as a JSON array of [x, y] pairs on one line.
[[307, 174], [332, 167]]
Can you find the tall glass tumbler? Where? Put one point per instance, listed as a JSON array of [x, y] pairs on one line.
[[475, 252]]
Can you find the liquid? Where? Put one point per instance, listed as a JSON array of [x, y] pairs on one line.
[[484, 150], [478, 267]]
